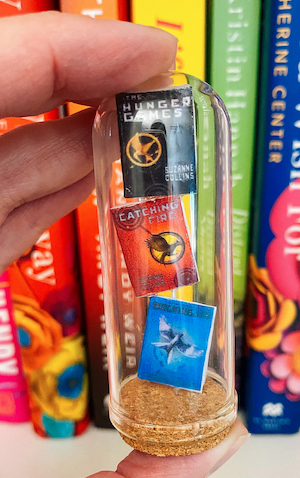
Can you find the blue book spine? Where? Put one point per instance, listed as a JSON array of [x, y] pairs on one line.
[[273, 318]]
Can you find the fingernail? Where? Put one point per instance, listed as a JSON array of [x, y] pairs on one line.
[[161, 30], [231, 451], [173, 66]]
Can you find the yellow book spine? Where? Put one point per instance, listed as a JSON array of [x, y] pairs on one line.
[[186, 20]]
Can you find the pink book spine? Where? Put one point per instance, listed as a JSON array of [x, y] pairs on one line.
[[14, 405]]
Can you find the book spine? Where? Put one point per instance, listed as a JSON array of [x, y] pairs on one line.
[[234, 32], [91, 280], [89, 245], [108, 9], [8, 124], [273, 322], [177, 19], [19, 7], [14, 403], [47, 307], [186, 21], [46, 298]]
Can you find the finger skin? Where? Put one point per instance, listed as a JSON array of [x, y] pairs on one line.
[[42, 158], [46, 59], [50, 57], [140, 465], [25, 224]]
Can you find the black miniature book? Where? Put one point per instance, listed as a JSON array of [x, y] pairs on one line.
[[157, 139]]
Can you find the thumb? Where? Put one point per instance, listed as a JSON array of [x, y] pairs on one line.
[[141, 465]]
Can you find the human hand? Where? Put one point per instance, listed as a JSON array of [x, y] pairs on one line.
[[202, 465], [47, 59], [46, 168]]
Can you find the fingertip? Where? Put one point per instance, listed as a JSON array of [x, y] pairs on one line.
[[171, 42], [140, 465], [76, 58], [163, 43], [163, 34], [237, 430], [236, 445]]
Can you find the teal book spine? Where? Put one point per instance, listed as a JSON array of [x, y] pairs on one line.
[[233, 44]]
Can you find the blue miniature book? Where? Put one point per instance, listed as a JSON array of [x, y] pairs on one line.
[[176, 343]]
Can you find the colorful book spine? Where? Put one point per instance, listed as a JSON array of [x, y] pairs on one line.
[[47, 309], [108, 9], [273, 321], [19, 7], [233, 36], [45, 288], [14, 403], [187, 22], [89, 246]]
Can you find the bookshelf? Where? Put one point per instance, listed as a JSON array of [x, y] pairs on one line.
[[25, 455]]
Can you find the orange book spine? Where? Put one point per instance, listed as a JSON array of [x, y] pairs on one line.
[[108, 9], [18, 7]]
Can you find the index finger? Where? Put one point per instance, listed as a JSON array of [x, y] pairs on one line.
[[48, 58]]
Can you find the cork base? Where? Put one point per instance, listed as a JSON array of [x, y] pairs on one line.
[[163, 421], [183, 449]]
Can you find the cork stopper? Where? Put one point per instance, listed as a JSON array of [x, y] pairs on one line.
[[182, 422]]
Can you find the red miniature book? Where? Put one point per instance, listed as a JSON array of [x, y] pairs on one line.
[[155, 241]]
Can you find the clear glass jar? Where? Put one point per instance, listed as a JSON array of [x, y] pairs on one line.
[[167, 263]]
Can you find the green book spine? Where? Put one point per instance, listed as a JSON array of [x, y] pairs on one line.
[[233, 32]]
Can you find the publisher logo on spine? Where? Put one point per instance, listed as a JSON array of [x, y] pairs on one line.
[[272, 410]]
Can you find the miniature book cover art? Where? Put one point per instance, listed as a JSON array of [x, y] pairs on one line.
[[155, 242], [157, 138], [176, 343]]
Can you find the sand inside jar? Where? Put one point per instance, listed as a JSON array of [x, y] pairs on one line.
[[177, 413]]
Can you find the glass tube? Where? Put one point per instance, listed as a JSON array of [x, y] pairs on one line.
[[167, 263]]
